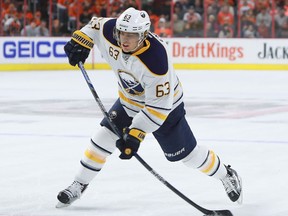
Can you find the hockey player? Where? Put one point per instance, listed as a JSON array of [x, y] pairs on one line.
[[150, 101]]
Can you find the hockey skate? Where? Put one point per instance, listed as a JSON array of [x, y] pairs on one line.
[[70, 194], [233, 185]]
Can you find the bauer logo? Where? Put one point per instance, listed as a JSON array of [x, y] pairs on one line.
[[33, 49]]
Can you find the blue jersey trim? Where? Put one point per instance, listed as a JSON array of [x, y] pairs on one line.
[[108, 29], [155, 57]]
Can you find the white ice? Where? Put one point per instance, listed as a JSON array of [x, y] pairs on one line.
[[47, 118]]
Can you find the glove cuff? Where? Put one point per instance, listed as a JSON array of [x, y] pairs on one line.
[[82, 39], [138, 134]]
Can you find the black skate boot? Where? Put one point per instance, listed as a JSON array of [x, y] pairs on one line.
[[70, 194], [233, 185]]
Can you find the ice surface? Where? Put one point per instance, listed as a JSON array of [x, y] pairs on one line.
[[47, 118]]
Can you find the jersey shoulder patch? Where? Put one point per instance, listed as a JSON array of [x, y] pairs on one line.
[[155, 57], [108, 29]]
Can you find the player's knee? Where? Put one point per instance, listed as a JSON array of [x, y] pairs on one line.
[[104, 140], [196, 157]]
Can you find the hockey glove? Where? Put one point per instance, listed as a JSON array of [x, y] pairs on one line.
[[130, 142], [78, 48]]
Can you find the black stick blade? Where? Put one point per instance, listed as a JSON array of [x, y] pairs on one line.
[[220, 213]]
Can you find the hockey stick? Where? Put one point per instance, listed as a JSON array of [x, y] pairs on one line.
[[205, 211]]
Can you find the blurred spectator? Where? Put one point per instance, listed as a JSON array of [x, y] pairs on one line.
[[193, 23], [62, 12], [248, 17], [225, 2], [281, 21], [246, 5], [56, 28], [212, 27], [192, 18], [37, 18], [249, 31], [5, 4], [263, 18], [185, 4], [230, 7], [153, 18], [11, 11], [27, 14], [198, 5], [163, 29], [178, 26], [85, 16], [226, 32], [162, 7], [284, 30], [12, 26], [130, 3], [263, 30], [261, 4], [211, 10], [225, 17], [178, 9], [29, 30], [99, 8], [116, 6], [42, 29], [74, 11], [286, 7]]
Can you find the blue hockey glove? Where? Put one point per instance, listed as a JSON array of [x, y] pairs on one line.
[[130, 142], [78, 48]]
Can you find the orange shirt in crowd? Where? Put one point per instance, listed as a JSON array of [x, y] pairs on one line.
[[75, 9], [220, 2], [225, 18]]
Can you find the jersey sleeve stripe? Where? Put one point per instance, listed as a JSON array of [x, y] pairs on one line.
[[160, 108], [150, 118], [178, 99], [128, 108], [157, 114], [176, 93]]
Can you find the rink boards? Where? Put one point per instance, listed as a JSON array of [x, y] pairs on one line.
[[46, 53]]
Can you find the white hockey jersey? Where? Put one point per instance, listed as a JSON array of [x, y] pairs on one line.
[[148, 86]]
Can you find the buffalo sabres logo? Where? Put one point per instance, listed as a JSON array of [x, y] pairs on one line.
[[130, 83]]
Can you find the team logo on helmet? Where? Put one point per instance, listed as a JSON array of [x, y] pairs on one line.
[[130, 83]]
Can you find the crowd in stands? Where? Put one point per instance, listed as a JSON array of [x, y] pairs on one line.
[[177, 18]]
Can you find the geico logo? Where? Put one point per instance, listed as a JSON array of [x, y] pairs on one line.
[[31, 49]]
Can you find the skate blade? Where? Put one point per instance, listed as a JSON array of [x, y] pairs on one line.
[[62, 205]]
